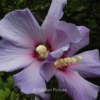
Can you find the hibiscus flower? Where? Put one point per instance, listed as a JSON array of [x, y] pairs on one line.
[[70, 69], [26, 45], [70, 72]]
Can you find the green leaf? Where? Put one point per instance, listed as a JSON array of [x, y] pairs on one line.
[[7, 92], [19, 2], [1, 83], [10, 80], [80, 8], [2, 95], [1, 73], [5, 85], [93, 23], [13, 96]]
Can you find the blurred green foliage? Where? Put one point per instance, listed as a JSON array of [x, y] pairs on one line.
[[8, 91], [79, 12]]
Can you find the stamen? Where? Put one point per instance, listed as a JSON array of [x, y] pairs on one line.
[[42, 50], [61, 63], [67, 60], [57, 64], [79, 58], [73, 60]]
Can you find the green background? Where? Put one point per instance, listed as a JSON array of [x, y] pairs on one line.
[[86, 12]]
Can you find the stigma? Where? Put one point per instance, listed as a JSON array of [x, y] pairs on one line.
[[64, 62], [42, 50]]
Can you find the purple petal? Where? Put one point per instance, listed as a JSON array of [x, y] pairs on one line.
[[45, 96], [47, 70], [29, 80], [89, 66], [71, 31], [50, 58], [83, 30], [13, 58], [20, 28], [76, 87], [84, 42], [59, 39], [54, 14], [58, 53]]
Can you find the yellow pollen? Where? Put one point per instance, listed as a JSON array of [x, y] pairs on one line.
[[61, 63], [73, 60], [79, 58], [69, 60], [42, 50], [57, 64]]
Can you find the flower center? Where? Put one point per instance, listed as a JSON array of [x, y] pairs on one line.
[[42, 50], [64, 62]]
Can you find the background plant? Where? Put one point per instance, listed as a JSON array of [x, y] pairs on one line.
[[79, 12]]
